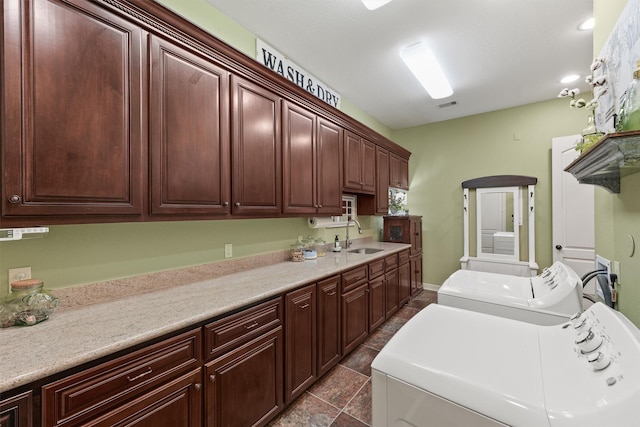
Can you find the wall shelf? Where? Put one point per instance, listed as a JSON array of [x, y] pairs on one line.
[[614, 156]]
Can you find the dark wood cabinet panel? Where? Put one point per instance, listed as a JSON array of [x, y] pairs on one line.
[[330, 151], [90, 394], [377, 297], [300, 341], [256, 149], [189, 135], [416, 274], [16, 411], [359, 164], [404, 280], [175, 404], [398, 172], [329, 344], [245, 387], [355, 317], [392, 293], [404, 229], [382, 182], [72, 111]]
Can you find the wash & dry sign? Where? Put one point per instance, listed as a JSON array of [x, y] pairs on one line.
[[276, 62]]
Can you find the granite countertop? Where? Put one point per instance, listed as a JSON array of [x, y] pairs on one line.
[[73, 337]]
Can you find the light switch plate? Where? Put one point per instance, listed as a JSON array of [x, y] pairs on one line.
[[20, 273]]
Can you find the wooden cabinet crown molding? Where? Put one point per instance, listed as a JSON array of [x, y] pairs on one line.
[[157, 18]]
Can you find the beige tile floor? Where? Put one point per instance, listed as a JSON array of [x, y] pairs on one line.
[[342, 398]]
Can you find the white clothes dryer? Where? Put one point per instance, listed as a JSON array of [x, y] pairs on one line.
[[454, 367], [547, 299]]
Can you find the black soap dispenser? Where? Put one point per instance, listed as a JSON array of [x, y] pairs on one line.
[[336, 244]]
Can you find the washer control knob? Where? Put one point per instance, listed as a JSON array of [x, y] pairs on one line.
[[588, 341], [598, 361]]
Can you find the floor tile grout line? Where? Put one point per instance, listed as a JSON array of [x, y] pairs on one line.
[[353, 397]]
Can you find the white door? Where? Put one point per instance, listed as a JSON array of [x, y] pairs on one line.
[[573, 216]]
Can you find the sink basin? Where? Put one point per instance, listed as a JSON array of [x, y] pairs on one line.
[[365, 251]]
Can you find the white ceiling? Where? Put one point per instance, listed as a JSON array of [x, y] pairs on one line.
[[496, 53]]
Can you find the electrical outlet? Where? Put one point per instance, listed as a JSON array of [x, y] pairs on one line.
[[20, 273], [228, 250], [615, 269]]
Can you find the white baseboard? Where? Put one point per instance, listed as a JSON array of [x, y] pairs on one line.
[[430, 287]]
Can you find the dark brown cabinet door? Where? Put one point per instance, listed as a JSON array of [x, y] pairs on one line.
[[299, 166], [404, 282], [176, 404], [382, 186], [16, 411], [416, 235], [189, 135], [329, 351], [330, 151], [355, 318], [359, 164], [393, 292], [72, 112], [256, 150], [244, 387], [399, 172], [377, 296], [300, 341], [416, 274]]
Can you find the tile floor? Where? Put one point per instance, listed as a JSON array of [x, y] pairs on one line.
[[342, 398]]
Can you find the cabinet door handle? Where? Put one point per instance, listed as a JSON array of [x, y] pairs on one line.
[[251, 326], [332, 293], [212, 378], [302, 307], [225, 204], [237, 204], [319, 206], [144, 374], [14, 198], [197, 386]]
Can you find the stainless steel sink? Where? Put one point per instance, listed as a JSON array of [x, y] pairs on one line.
[[365, 251]]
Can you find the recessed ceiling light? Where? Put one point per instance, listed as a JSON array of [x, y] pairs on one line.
[[587, 25], [570, 78], [374, 4], [424, 65]]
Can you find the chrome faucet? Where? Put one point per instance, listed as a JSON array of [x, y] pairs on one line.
[[347, 241]]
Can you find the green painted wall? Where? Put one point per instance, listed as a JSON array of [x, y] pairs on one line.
[[618, 215], [446, 153]]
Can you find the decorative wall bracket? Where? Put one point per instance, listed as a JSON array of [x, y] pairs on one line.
[[614, 156]]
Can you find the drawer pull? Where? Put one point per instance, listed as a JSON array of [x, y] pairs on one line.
[[332, 293], [302, 307], [251, 326], [144, 374]]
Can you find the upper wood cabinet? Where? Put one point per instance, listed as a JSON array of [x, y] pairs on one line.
[[312, 154], [72, 112], [398, 172], [256, 149], [382, 182], [359, 164], [189, 132]]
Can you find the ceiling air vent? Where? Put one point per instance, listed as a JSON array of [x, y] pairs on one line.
[[448, 104]]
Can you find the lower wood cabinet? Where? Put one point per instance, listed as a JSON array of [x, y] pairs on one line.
[[16, 411], [404, 282], [300, 341], [355, 317], [416, 274], [131, 389], [244, 386], [329, 321], [377, 301], [392, 285]]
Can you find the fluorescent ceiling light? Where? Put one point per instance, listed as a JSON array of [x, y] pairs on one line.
[[424, 65], [587, 25], [570, 78], [374, 4]]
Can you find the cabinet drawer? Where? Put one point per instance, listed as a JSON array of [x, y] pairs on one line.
[[88, 394], [403, 257], [353, 278], [227, 333], [391, 262], [376, 268]]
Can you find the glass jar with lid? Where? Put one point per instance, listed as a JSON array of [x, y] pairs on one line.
[[297, 251], [321, 247], [27, 304]]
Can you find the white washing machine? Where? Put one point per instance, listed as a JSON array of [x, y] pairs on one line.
[[454, 367], [547, 299]]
